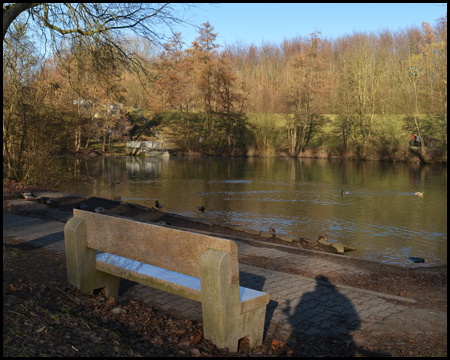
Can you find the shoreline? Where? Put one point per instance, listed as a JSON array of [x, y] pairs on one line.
[[234, 232], [14, 204], [434, 156]]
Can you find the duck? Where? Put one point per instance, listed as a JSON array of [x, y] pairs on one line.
[[42, 200], [52, 203], [419, 194], [201, 208], [416, 259], [323, 238], [82, 206], [158, 205], [271, 229], [344, 192], [99, 209], [27, 195]]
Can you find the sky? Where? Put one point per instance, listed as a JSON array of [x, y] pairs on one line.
[[273, 22]]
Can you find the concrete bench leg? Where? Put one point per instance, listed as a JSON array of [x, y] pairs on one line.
[[223, 322], [80, 259], [252, 323]]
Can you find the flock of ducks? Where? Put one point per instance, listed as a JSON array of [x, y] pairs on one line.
[[52, 203], [27, 195], [42, 200], [419, 193], [83, 206], [271, 229], [160, 206]]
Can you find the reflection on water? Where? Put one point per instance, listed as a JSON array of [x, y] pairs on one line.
[[380, 216]]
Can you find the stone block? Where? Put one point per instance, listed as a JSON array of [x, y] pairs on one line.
[[252, 232], [81, 262], [266, 234], [286, 238], [223, 321], [339, 247]]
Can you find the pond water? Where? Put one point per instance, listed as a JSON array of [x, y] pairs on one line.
[[381, 217]]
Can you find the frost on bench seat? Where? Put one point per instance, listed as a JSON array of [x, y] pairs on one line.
[[121, 263], [163, 279]]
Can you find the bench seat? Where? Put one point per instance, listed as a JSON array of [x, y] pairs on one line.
[[154, 275]]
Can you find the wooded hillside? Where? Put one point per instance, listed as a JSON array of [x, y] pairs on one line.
[[363, 93]]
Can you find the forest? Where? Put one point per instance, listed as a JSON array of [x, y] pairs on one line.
[[358, 96]]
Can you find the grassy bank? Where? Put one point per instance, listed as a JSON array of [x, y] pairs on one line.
[[266, 135]]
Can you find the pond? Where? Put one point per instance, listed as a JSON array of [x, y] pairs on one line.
[[380, 216]]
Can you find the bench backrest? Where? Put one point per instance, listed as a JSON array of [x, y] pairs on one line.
[[167, 248]]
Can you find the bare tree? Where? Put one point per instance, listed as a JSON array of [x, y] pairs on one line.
[[103, 22], [91, 19]]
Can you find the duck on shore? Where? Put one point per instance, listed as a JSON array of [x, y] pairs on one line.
[[42, 200], [271, 229], [82, 206], [52, 203], [416, 259], [27, 195]]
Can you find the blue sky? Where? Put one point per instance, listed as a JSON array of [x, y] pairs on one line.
[[254, 23]]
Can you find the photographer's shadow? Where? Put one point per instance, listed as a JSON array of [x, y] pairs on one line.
[[324, 320]]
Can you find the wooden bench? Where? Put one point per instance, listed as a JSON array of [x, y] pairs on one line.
[[199, 267]]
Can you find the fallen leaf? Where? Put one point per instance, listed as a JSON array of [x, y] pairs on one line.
[[178, 331], [196, 338], [40, 330], [111, 301], [277, 344], [184, 345], [13, 288]]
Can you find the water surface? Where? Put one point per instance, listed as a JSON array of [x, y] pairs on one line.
[[381, 217]]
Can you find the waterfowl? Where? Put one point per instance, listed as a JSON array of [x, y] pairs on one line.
[[344, 192], [27, 195], [416, 259], [158, 205], [82, 206], [43, 200], [323, 238], [419, 194], [52, 203], [201, 208], [271, 229], [99, 209]]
